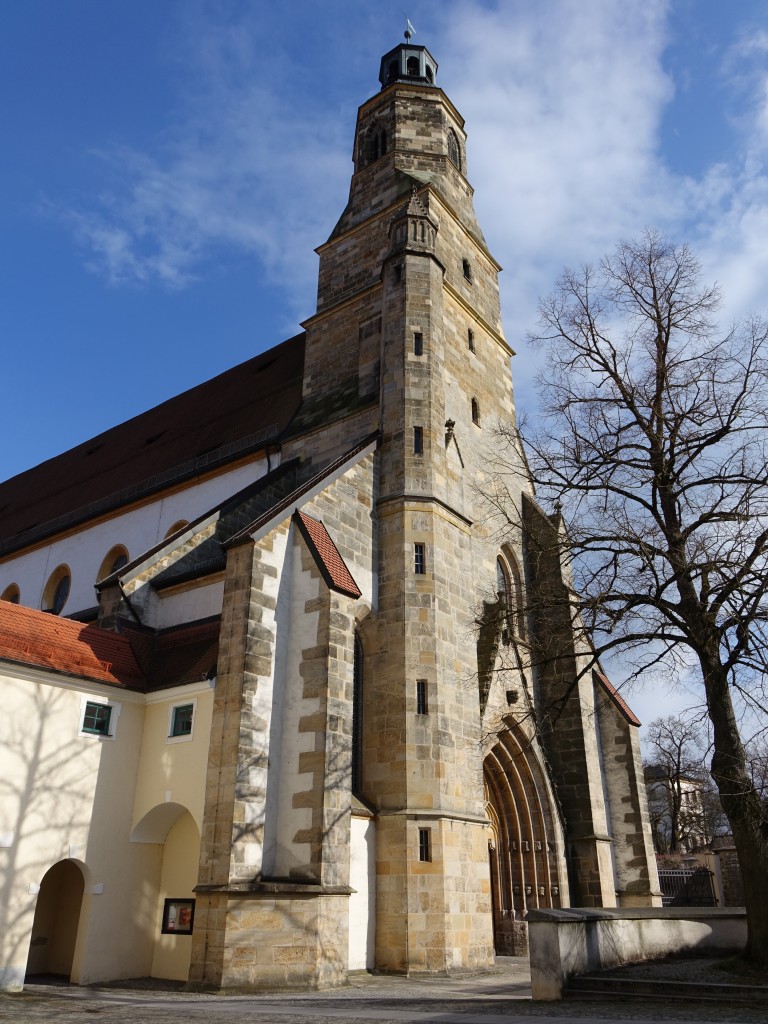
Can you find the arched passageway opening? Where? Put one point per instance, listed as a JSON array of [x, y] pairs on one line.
[[56, 922], [171, 922]]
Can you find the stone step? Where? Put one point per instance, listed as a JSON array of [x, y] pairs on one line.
[[600, 985]]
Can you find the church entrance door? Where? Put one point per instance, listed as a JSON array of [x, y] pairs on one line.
[[523, 863]]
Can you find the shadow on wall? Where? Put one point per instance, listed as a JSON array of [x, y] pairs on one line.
[[44, 791]]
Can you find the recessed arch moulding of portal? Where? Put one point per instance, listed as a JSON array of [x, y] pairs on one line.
[[526, 844]]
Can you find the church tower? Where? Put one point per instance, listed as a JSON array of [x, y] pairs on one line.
[[409, 314], [374, 661]]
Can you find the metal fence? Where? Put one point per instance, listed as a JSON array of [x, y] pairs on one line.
[[687, 887]]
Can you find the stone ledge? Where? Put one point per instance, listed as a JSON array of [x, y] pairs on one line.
[[246, 890], [575, 914]]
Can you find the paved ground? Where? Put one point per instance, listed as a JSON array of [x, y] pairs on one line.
[[496, 997]]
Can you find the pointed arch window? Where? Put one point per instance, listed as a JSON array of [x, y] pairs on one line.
[[375, 144], [11, 594], [454, 153], [510, 593], [378, 145]]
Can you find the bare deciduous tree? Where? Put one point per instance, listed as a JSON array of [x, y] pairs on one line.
[[685, 811], [655, 442]]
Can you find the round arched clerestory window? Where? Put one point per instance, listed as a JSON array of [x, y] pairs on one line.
[[114, 560], [57, 590]]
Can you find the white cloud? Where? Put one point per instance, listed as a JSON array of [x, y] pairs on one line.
[[564, 104], [245, 169]]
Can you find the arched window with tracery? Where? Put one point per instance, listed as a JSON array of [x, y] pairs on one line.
[[454, 153], [510, 592], [374, 144]]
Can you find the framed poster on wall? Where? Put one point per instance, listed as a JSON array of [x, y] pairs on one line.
[[178, 917]]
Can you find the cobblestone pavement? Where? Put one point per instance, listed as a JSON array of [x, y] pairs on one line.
[[497, 997]]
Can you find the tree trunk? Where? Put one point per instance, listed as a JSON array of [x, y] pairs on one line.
[[742, 805], [675, 801]]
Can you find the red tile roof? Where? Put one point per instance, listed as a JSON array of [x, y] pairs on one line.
[[331, 564], [617, 699], [211, 424], [136, 659], [46, 641]]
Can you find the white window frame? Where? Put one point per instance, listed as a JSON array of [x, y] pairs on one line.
[[86, 734], [171, 709]]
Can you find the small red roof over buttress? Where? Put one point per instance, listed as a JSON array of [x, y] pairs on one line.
[[331, 564], [42, 640], [617, 699]]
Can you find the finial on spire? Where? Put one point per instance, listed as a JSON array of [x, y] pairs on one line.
[[409, 29]]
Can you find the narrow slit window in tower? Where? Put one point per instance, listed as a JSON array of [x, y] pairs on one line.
[[422, 706], [425, 844], [419, 559], [418, 441], [418, 344], [471, 339], [475, 412]]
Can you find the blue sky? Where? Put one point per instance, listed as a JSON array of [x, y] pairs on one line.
[[168, 168]]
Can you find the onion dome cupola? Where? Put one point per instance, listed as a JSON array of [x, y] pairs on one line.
[[408, 63]]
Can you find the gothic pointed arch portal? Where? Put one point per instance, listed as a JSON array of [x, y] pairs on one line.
[[522, 845]]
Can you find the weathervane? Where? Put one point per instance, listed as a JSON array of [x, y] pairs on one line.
[[409, 30]]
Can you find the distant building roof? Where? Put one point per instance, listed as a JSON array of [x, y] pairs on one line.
[[208, 426]]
